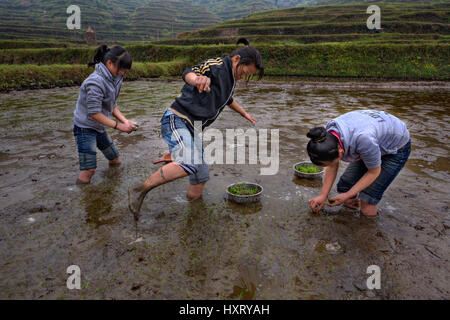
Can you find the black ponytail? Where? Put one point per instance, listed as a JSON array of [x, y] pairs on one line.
[[249, 55], [243, 41], [323, 146], [118, 56]]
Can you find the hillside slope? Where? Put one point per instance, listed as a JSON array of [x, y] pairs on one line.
[[334, 23], [111, 19], [235, 9]]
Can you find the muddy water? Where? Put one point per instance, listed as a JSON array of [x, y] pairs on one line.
[[210, 249]]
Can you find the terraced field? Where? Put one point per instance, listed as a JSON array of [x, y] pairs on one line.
[[333, 23], [111, 19], [321, 41]]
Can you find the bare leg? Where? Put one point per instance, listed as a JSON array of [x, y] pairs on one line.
[[368, 210], [115, 162], [85, 176], [166, 173], [137, 193], [166, 158], [195, 191]]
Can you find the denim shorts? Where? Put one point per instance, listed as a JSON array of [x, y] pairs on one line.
[[88, 140], [186, 151], [391, 165]]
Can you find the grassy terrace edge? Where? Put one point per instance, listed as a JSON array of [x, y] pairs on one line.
[[22, 77], [44, 68]]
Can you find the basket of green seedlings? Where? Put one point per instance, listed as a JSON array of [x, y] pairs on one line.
[[244, 192], [308, 170]]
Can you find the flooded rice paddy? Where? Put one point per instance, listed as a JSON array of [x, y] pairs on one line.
[[209, 248]]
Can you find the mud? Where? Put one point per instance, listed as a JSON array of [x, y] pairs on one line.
[[209, 248]]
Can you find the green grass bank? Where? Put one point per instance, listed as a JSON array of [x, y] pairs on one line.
[[26, 76], [41, 68]]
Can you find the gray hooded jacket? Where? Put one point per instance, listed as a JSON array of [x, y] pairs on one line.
[[98, 93]]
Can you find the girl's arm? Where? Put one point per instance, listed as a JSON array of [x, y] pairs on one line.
[[94, 99], [202, 83], [366, 180], [238, 108], [318, 202], [369, 150], [118, 115], [104, 120], [200, 75]]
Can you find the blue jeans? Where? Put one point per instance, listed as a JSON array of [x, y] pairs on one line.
[[88, 140], [391, 165], [186, 152]]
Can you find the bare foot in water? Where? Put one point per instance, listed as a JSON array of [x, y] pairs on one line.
[[81, 183], [114, 162], [354, 203], [166, 159], [369, 210]]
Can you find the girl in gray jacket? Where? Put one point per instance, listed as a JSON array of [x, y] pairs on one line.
[[96, 103]]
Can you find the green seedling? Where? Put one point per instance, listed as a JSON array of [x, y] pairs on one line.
[[243, 190], [308, 168]]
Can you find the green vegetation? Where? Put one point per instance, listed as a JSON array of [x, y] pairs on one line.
[[346, 59], [19, 44], [308, 168], [230, 9], [111, 19], [324, 41], [18, 77], [234, 9], [333, 20], [41, 44], [243, 189], [165, 19], [393, 38], [148, 20]]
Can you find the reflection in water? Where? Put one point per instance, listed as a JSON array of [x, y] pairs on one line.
[[100, 199], [244, 209], [244, 291], [308, 183]]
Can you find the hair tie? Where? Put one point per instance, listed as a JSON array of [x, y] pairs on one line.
[[320, 140]]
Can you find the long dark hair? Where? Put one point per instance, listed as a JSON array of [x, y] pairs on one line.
[[249, 55], [323, 146], [118, 55]]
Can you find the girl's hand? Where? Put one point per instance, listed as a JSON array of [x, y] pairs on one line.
[[317, 203], [125, 127], [340, 199], [133, 124], [250, 118], [203, 83]]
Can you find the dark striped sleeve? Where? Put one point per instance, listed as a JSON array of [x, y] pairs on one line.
[[204, 68]]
